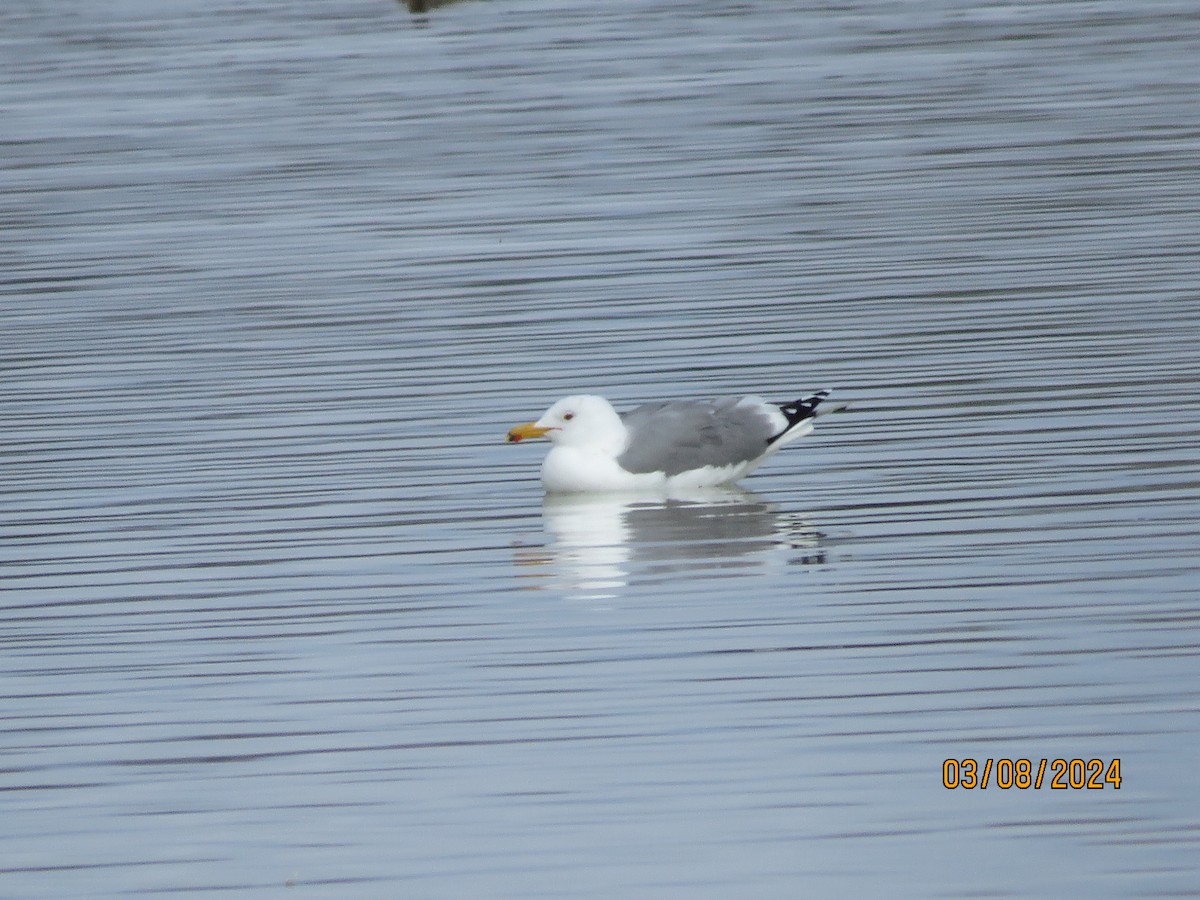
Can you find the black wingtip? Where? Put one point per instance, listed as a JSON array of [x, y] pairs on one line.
[[804, 408]]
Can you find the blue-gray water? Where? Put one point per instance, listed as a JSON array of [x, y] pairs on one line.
[[283, 616]]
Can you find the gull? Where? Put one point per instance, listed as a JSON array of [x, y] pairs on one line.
[[671, 444]]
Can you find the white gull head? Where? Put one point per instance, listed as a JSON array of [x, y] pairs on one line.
[[584, 421], [588, 436]]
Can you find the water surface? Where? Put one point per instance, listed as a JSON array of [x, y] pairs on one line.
[[281, 612]]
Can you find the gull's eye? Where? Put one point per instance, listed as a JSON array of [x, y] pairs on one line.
[[568, 416]]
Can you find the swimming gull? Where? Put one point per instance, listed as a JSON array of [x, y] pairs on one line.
[[672, 444]]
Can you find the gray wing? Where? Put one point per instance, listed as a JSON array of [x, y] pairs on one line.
[[679, 435]]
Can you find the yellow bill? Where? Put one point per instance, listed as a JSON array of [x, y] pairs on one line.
[[526, 431]]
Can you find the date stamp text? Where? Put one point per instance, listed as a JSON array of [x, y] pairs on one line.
[[1035, 774]]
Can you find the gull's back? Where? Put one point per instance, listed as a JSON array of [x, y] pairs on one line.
[[681, 435]]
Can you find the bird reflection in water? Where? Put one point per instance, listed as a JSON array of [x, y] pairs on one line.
[[418, 7], [598, 543]]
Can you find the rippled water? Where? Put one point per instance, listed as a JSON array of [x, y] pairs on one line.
[[282, 613]]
